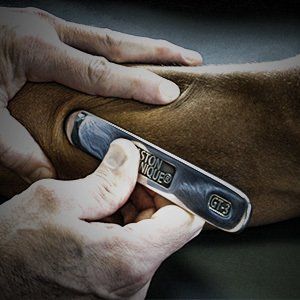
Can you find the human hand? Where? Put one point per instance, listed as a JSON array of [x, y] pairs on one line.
[[37, 46], [52, 245]]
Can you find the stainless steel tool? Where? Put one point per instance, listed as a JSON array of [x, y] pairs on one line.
[[219, 203]]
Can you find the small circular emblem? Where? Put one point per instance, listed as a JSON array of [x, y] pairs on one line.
[[168, 178]]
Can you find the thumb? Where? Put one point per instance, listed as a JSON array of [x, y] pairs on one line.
[[111, 184], [166, 231], [19, 151]]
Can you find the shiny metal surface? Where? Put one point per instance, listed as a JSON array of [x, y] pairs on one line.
[[219, 203]]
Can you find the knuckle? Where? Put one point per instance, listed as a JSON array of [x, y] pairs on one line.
[[113, 44], [139, 77], [36, 33], [108, 189], [116, 56], [163, 43], [143, 75], [105, 31], [42, 14], [163, 47], [110, 192], [46, 195], [37, 11], [98, 70]]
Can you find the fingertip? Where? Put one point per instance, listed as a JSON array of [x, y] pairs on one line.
[[168, 91], [126, 147], [121, 159], [192, 58], [175, 217]]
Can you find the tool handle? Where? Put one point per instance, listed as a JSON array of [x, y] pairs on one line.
[[186, 185]]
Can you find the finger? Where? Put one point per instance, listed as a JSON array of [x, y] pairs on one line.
[[20, 152], [145, 214], [106, 190], [169, 229], [141, 199], [120, 47], [129, 212], [95, 75]]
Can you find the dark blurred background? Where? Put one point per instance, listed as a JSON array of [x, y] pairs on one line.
[[261, 262], [223, 31]]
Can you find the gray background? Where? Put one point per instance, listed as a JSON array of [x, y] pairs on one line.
[[261, 262], [223, 31]]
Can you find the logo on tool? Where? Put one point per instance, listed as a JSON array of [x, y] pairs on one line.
[[219, 205], [156, 169]]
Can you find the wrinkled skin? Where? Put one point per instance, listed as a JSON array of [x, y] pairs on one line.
[[239, 122], [51, 246], [37, 46]]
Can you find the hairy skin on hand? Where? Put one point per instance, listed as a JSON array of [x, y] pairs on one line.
[[53, 246], [239, 122]]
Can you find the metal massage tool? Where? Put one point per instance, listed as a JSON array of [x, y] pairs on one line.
[[219, 203]]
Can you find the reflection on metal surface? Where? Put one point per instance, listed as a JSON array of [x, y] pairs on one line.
[[186, 185], [220, 205]]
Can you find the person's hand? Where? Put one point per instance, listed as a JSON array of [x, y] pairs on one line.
[[51, 245], [39, 47]]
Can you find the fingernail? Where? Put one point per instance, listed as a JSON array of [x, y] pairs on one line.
[[169, 91], [40, 173], [115, 157], [192, 57]]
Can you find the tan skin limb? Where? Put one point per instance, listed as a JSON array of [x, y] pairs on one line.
[[241, 125]]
